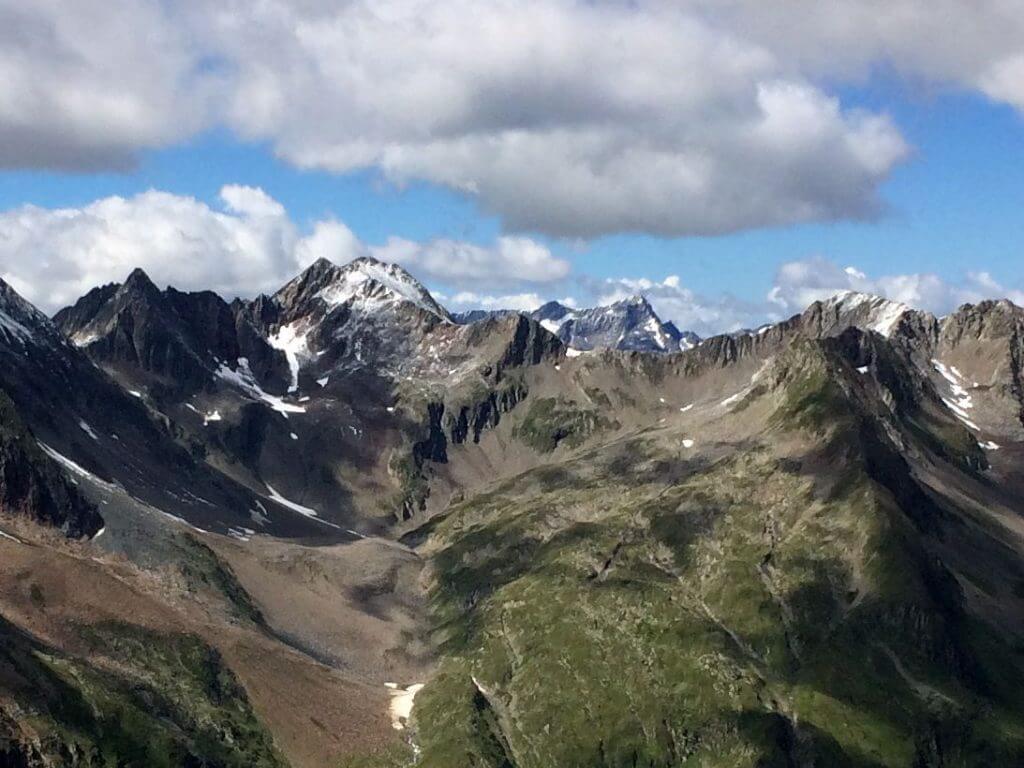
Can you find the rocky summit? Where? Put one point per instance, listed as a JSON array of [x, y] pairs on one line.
[[340, 526]]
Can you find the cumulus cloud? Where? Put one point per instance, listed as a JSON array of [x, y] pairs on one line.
[[247, 245], [569, 118], [521, 302], [798, 283], [84, 90], [673, 117], [510, 260]]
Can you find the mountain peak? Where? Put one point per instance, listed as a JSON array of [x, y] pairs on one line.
[[365, 281], [371, 281], [637, 300], [864, 310], [138, 283], [320, 266]]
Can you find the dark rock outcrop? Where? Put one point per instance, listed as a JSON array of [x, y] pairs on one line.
[[34, 487]]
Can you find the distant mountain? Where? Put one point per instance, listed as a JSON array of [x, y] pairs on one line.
[[630, 324]]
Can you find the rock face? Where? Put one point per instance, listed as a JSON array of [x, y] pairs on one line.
[[33, 486], [175, 340], [111, 433]]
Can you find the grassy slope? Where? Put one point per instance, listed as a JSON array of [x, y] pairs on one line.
[[630, 608], [146, 699]]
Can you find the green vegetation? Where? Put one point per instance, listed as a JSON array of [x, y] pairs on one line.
[[412, 485], [550, 422], [150, 699], [739, 614], [203, 570]]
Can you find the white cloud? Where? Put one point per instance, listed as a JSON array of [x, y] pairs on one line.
[[799, 283], [522, 302], [331, 240], [251, 245], [570, 118], [511, 260], [84, 89], [575, 118]]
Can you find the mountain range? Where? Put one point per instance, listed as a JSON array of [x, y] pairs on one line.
[[341, 526], [629, 324]]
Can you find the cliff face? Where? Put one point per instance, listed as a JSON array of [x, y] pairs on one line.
[[33, 486]]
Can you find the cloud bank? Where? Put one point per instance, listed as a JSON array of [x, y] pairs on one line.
[[249, 244], [564, 117], [246, 246]]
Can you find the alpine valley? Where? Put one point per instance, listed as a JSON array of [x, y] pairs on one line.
[[340, 526]]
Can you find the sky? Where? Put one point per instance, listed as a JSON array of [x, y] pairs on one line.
[[732, 160]]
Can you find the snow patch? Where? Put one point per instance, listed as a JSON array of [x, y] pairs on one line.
[[401, 703], [13, 328], [687, 443], [323, 382], [88, 430], [988, 445], [244, 379], [735, 398], [962, 401], [5, 535], [259, 515], [685, 408], [296, 507], [295, 345], [570, 352], [74, 468], [241, 534]]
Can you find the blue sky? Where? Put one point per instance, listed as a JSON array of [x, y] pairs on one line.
[[948, 175]]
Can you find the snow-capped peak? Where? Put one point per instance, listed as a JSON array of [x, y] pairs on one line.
[[372, 280], [630, 323], [366, 282], [866, 311]]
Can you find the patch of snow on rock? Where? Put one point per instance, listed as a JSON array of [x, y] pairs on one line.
[[401, 703], [295, 346], [243, 378]]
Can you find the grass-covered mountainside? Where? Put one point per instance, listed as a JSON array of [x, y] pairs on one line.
[[780, 602], [143, 698]]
